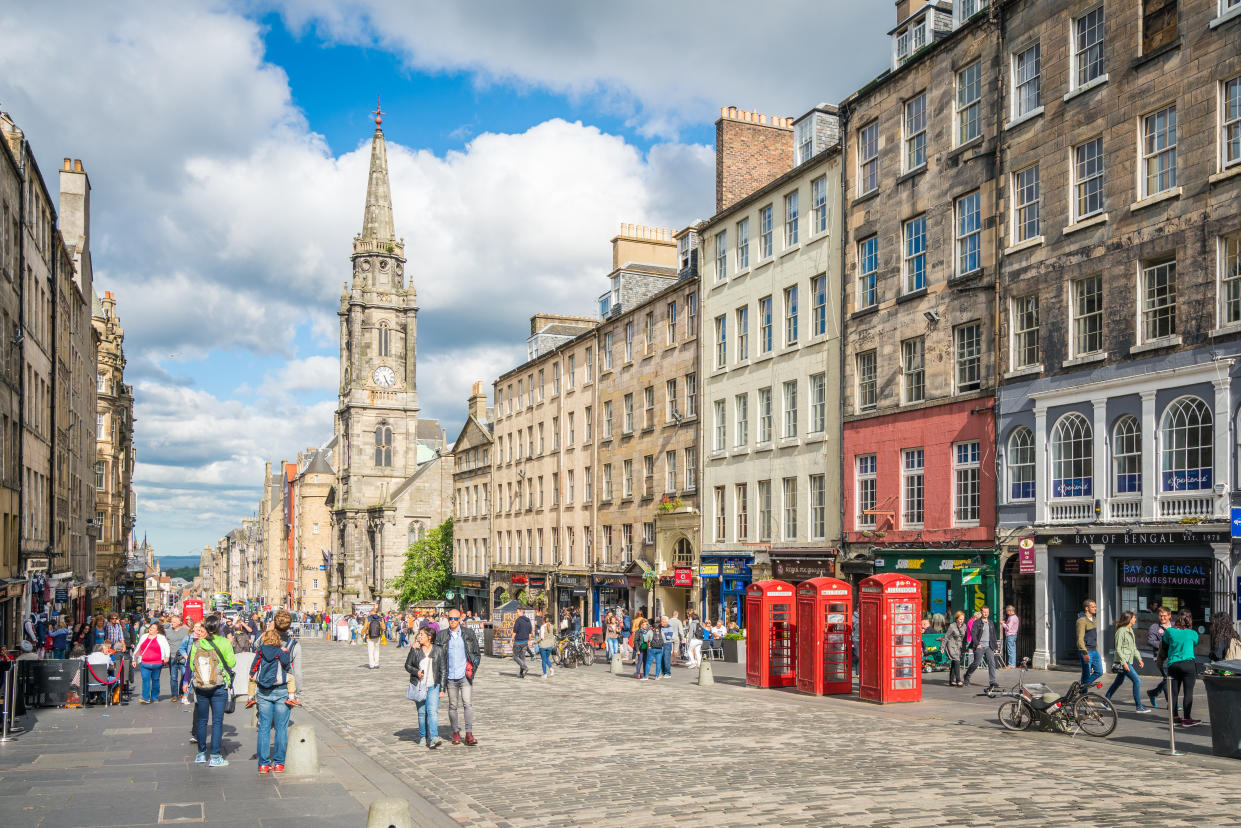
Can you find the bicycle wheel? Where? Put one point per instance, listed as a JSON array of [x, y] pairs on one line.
[[588, 655], [1094, 715], [1015, 715]]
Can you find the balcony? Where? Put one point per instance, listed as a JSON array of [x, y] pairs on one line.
[[1071, 510], [1125, 509], [1169, 506], [1177, 506]]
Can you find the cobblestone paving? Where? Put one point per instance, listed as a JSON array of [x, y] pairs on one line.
[[586, 747]]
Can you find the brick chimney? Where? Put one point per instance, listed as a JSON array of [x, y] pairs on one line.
[[903, 9], [751, 151]]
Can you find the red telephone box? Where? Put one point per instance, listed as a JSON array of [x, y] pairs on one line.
[[192, 610], [770, 634], [891, 607], [824, 636]]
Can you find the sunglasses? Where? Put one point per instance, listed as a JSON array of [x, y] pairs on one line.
[[454, 618]]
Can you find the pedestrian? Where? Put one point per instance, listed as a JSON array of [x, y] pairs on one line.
[[954, 647], [427, 664], [522, 628], [402, 639], [678, 637], [60, 640], [668, 633], [271, 672], [1154, 640], [641, 642], [1126, 654], [374, 634], [986, 645], [463, 654], [185, 684], [212, 662], [547, 645], [176, 634], [1010, 625], [626, 623], [695, 636], [353, 631], [150, 656], [1225, 643], [1178, 652], [654, 637], [1088, 643]]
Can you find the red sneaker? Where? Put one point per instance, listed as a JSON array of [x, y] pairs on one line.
[[280, 768], [264, 768], [456, 738], [470, 740], [251, 702], [293, 702]]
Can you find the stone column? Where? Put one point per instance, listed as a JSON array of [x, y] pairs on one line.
[[1150, 456], [1041, 490], [1101, 465], [1103, 618], [1042, 608], [1222, 474]]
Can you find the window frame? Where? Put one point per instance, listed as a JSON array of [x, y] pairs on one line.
[[913, 488], [866, 480], [1149, 312], [1027, 218], [1126, 457], [1083, 185], [766, 247], [1147, 155], [868, 158], [868, 272], [818, 205], [1230, 127], [1079, 318], [913, 370], [968, 112], [1021, 469], [967, 469], [788, 407], [1228, 279], [741, 420], [964, 362], [818, 403], [1027, 92], [1079, 52], [968, 235], [792, 218], [913, 132], [741, 320], [1170, 447], [1072, 431], [1031, 332], [721, 255], [913, 262], [867, 386], [766, 335], [790, 315], [742, 248]]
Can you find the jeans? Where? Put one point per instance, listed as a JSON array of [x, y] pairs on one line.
[[209, 703], [639, 659], [1133, 676], [1184, 675], [1010, 649], [1092, 666], [545, 653], [150, 681], [653, 659], [460, 695], [174, 676], [1162, 686], [613, 647], [273, 710], [665, 663], [401, 640], [519, 654], [429, 715], [982, 654], [60, 652]]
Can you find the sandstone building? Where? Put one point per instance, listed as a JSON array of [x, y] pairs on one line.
[[472, 493], [113, 472]]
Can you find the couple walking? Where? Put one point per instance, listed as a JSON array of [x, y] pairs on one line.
[[443, 663]]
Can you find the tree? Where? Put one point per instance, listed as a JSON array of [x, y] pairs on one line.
[[427, 572]]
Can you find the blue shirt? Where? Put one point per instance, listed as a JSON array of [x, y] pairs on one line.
[[456, 655]]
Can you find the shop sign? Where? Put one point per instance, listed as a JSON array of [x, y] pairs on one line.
[[1073, 487], [15, 590], [971, 576], [570, 581], [683, 576], [909, 563], [1189, 480], [470, 583], [709, 571], [1165, 573], [538, 581], [803, 569], [734, 566], [1236, 522], [517, 579], [949, 564], [612, 580], [62, 595], [1025, 556], [1076, 566], [666, 580], [1168, 538]]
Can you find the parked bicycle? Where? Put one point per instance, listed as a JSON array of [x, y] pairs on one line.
[[572, 650], [1078, 710]]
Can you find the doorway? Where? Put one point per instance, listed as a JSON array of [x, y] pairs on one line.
[[1071, 592]]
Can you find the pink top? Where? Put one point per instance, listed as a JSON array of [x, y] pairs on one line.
[[1010, 624], [150, 651]]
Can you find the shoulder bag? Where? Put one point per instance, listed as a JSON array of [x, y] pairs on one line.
[[417, 690]]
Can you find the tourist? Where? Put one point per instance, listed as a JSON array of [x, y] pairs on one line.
[[547, 645], [463, 655], [374, 634], [426, 664], [1126, 654], [640, 640], [1088, 643], [150, 656], [176, 634], [1010, 625], [678, 637], [271, 674], [612, 634], [668, 632], [1154, 640], [986, 645], [694, 635], [60, 640], [954, 647], [1178, 652], [719, 631], [1225, 643], [211, 662], [521, 639], [653, 635]]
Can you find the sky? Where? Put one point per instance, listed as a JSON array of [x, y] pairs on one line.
[[227, 145]]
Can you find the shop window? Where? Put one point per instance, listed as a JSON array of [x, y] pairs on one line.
[[1187, 444], [1127, 456], [1072, 464]]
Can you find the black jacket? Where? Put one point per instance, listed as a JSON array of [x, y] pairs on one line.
[[473, 653], [439, 662]]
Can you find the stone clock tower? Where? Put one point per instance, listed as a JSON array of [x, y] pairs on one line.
[[377, 415]]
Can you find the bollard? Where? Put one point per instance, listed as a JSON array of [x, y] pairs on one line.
[[10, 685], [389, 813], [618, 666], [302, 756], [705, 675], [252, 722]]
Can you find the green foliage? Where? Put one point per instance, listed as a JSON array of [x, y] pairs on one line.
[[427, 573], [189, 573]]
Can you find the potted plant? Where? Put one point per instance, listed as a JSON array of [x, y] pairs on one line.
[[669, 504], [734, 648]]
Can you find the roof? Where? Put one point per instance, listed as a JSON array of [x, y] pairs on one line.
[[318, 464], [429, 430], [561, 329]]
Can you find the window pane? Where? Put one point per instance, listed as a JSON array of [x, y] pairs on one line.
[[1089, 54], [1088, 173]]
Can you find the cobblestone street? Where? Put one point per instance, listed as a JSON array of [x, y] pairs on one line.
[[586, 747]]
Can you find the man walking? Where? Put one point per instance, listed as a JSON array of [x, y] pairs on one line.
[[1010, 624], [461, 646], [521, 637], [1154, 640], [986, 645], [176, 635], [374, 634], [678, 636], [1088, 643]]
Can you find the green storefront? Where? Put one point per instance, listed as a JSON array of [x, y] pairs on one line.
[[952, 579]]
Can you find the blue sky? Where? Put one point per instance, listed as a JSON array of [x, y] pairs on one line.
[[227, 147]]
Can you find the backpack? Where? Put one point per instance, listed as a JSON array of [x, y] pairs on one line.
[[374, 629], [270, 668], [209, 669], [654, 638], [696, 633]]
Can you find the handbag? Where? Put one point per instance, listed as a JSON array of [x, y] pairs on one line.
[[1119, 667], [417, 691]]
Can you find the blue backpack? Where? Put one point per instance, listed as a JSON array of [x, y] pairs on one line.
[[271, 665]]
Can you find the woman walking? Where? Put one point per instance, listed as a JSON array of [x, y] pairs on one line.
[[212, 662], [547, 645], [271, 673], [954, 647], [427, 666], [150, 656], [1178, 652], [1126, 654], [612, 631]]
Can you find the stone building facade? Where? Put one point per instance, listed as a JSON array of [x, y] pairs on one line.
[[921, 258], [113, 472], [1120, 309], [769, 351], [11, 370], [472, 493], [313, 478]]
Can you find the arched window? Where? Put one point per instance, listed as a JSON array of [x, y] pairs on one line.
[[383, 445], [1021, 465], [1127, 455], [683, 554], [1187, 445], [385, 339], [416, 532], [1072, 457]]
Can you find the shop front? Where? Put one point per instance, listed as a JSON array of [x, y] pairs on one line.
[[572, 593], [724, 581], [952, 579], [673, 594], [470, 594], [1128, 570], [609, 592], [527, 588], [797, 565]]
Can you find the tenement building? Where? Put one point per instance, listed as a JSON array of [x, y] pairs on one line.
[[11, 369], [769, 353], [1120, 308], [471, 527], [114, 443], [920, 191], [310, 526]]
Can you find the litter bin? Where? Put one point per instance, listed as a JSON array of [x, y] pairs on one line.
[[1224, 704]]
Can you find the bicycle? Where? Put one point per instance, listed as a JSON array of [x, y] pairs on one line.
[[571, 650], [1078, 710]]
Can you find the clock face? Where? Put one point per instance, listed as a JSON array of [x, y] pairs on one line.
[[384, 376]]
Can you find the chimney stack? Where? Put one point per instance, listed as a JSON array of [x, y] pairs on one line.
[[478, 403], [751, 151]]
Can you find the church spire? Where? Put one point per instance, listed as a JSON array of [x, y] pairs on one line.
[[377, 221]]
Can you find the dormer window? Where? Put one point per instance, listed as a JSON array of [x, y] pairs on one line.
[[805, 140], [963, 10], [910, 38]]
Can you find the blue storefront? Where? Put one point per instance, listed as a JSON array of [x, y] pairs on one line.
[[724, 579], [610, 591]]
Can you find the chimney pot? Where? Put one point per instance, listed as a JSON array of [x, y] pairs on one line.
[[67, 167], [77, 165]]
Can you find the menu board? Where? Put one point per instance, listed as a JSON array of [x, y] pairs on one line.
[[502, 630]]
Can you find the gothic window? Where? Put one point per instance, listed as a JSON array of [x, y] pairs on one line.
[[1127, 455], [1187, 446], [385, 339], [1072, 457], [683, 554], [383, 445], [1021, 464]]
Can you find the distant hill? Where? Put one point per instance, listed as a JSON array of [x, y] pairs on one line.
[[186, 572], [173, 561]]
